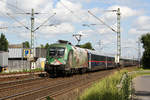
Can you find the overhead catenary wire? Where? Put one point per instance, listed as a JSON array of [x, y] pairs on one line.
[[11, 5], [76, 16], [65, 6], [89, 26], [18, 21], [102, 21], [70, 10], [6, 27], [22, 11], [92, 15], [8, 15], [45, 22]]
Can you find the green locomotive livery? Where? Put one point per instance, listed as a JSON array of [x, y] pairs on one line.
[[64, 58]]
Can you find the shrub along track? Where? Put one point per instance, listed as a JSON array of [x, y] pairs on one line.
[[51, 87]]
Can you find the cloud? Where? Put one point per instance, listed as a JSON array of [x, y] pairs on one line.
[[3, 6], [82, 1], [25, 35], [129, 3], [110, 18], [27, 5], [70, 12], [124, 10], [70, 15], [133, 31], [141, 25], [63, 28], [3, 24]]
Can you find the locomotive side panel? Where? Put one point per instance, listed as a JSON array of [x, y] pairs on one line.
[[80, 57]]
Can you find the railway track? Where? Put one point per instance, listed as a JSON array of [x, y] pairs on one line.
[[56, 87], [20, 74], [19, 88], [18, 81], [40, 89], [12, 77], [70, 88], [10, 85]]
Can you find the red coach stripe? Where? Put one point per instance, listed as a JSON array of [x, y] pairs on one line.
[[100, 61]]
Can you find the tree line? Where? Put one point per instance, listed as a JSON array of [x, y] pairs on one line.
[[145, 40], [3, 43]]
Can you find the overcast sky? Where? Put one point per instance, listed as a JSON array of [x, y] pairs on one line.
[[70, 17]]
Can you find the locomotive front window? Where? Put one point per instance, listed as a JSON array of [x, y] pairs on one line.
[[52, 52], [60, 51], [56, 51]]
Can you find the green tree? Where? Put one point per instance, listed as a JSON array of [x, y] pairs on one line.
[[42, 46], [26, 44], [87, 45], [3, 43], [47, 45], [145, 39]]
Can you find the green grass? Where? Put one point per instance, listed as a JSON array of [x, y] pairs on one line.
[[107, 89], [141, 69], [140, 72]]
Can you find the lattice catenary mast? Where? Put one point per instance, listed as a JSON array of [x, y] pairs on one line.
[[117, 31], [32, 31], [118, 36]]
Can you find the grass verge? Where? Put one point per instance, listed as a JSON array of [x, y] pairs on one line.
[[140, 72], [107, 89]]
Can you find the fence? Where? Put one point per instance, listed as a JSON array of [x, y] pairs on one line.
[[16, 65], [17, 60]]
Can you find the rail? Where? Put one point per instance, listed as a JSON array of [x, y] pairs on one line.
[[58, 88]]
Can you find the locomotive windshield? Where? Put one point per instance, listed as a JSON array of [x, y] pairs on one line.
[[56, 51]]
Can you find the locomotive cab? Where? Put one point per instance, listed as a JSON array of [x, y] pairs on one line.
[[56, 60]]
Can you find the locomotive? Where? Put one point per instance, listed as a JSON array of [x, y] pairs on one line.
[[64, 58]]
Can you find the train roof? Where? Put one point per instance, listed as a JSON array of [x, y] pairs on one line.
[[99, 53], [64, 42], [95, 52]]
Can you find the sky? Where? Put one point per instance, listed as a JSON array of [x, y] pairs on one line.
[[63, 18]]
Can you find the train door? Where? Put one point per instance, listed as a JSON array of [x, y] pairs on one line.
[[89, 60], [106, 62]]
